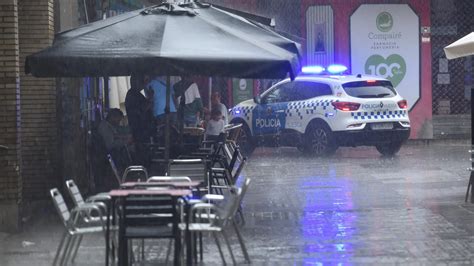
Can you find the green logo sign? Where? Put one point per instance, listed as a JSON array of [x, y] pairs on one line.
[[384, 22], [393, 68]]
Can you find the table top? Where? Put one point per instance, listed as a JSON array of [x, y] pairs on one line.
[[165, 191], [161, 184]]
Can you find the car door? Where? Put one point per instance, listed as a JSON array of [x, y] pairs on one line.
[[270, 117]]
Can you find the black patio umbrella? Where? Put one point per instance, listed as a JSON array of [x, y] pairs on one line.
[[169, 40], [191, 39]]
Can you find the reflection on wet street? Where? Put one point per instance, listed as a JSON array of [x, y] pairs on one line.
[[354, 208], [360, 208]]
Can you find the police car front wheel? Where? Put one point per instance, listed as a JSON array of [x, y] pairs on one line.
[[319, 140]]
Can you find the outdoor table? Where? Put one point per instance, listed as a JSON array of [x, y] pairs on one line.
[[131, 185], [121, 194]]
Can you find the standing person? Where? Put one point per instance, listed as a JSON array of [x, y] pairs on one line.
[[138, 109], [158, 86], [140, 118], [189, 99], [216, 104]]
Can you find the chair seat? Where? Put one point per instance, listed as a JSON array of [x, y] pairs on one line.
[[87, 230], [200, 227], [99, 197], [149, 232]]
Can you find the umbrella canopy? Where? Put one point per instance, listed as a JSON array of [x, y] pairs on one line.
[[460, 48], [169, 39]]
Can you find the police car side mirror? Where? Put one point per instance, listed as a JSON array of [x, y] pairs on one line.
[[257, 99]]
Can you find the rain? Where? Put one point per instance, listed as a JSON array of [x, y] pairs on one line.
[[264, 132]]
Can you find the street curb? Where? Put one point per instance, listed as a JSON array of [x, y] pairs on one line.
[[449, 142]]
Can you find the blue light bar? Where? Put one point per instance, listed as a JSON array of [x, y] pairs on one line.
[[313, 69], [336, 69]]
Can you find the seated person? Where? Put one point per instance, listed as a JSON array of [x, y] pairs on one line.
[[116, 138], [215, 125]]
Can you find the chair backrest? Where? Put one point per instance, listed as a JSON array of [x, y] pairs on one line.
[[234, 131], [239, 169], [195, 169], [245, 185], [114, 169], [134, 169], [74, 192], [146, 211], [169, 178], [60, 206], [229, 206]]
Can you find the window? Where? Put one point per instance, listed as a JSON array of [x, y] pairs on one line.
[[370, 89], [306, 90], [282, 93]]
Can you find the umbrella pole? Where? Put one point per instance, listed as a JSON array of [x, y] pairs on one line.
[[167, 118], [471, 178]]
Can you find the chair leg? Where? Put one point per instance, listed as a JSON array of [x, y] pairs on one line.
[[66, 251], [219, 247], [76, 248], [241, 242], [60, 247], [469, 185], [143, 249], [168, 252], [131, 254], [201, 247], [228, 246], [241, 215]]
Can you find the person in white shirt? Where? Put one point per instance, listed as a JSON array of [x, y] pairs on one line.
[[189, 101], [216, 104], [215, 125]]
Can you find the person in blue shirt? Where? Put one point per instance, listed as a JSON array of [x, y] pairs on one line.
[[157, 88]]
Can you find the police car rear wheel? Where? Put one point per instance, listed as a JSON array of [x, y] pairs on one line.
[[320, 140], [245, 141], [389, 149]]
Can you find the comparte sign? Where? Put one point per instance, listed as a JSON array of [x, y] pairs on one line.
[[385, 42]]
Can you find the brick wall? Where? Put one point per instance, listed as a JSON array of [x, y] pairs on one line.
[[39, 136], [10, 117]]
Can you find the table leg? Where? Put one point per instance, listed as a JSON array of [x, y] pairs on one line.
[[122, 245], [177, 238], [107, 236]]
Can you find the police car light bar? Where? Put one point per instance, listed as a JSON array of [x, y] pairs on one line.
[[313, 69], [332, 69], [336, 69]]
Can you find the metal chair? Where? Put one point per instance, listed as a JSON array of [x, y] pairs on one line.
[[99, 199], [169, 178], [114, 169], [75, 226], [134, 169], [222, 178], [121, 178], [195, 169], [146, 217], [218, 217]]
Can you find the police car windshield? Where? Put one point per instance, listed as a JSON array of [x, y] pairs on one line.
[[370, 89]]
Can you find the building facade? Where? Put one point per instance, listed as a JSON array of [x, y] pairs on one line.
[[29, 126]]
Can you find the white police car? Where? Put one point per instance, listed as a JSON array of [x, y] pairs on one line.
[[319, 113]]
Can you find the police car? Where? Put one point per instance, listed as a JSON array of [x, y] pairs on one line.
[[317, 113]]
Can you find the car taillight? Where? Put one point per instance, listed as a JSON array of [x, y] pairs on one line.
[[403, 104], [346, 106]]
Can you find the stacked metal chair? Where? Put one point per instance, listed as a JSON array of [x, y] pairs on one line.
[[77, 223]]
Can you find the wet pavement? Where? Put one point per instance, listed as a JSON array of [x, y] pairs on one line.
[[354, 208]]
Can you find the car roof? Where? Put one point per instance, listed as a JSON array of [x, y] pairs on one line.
[[336, 79]]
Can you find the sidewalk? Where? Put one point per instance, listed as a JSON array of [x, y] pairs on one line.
[[354, 208]]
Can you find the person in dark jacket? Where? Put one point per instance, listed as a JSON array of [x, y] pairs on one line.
[[139, 110]]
